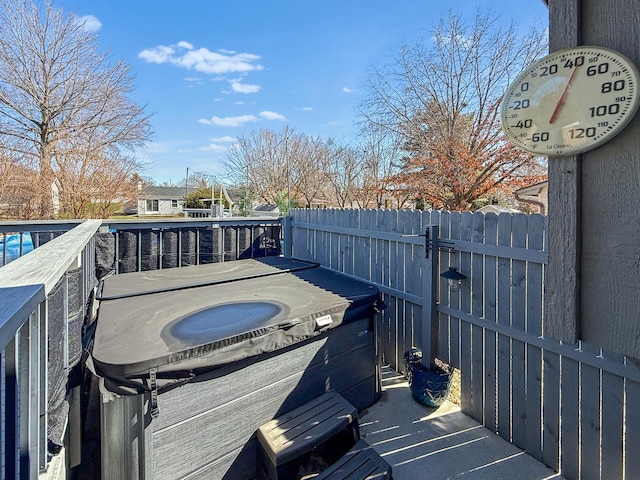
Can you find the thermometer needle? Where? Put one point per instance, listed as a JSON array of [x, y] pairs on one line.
[[563, 97]]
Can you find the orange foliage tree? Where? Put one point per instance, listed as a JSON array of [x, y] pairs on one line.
[[464, 164], [441, 98]]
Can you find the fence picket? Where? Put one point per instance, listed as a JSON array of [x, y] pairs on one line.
[[454, 297], [534, 281], [380, 274], [347, 245], [324, 244], [477, 333], [444, 321], [490, 342], [504, 343], [518, 358], [589, 423], [334, 240], [315, 234], [632, 429], [569, 411], [551, 410], [612, 425], [412, 255], [363, 250], [465, 328]]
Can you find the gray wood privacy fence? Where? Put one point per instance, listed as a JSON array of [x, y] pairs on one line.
[[574, 407]]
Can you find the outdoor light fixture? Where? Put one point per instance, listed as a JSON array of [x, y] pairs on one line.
[[454, 278]]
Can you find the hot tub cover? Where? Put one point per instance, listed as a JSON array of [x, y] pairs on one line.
[[158, 329]]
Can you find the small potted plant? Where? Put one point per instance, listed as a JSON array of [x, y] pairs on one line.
[[429, 386]]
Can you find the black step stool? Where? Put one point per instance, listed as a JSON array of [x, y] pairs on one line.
[[288, 438], [362, 462]]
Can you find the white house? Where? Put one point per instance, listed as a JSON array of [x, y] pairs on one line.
[[536, 194], [162, 200]]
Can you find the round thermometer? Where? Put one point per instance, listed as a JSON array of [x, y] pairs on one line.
[[570, 101]]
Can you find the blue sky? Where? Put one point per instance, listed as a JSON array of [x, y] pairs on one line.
[[211, 71]]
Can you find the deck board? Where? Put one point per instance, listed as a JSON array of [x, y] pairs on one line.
[[444, 442]]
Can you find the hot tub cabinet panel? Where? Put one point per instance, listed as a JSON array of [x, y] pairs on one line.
[[206, 427]]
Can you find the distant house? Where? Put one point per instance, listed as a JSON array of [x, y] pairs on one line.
[[536, 194], [154, 200], [497, 209]]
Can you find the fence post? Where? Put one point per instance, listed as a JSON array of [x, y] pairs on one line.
[[286, 234], [429, 291]]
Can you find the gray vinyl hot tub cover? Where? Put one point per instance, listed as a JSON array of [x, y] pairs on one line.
[[162, 328]]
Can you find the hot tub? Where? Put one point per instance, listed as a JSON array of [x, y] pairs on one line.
[[192, 360]]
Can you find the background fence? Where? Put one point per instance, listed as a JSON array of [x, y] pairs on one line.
[[131, 246], [574, 407]]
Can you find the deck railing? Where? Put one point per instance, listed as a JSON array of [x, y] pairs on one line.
[[44, 296], [19, 238]]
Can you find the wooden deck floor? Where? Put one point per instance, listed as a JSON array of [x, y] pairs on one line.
[[425, 443]]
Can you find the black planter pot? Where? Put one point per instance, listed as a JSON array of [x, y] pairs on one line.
[[429, 386]]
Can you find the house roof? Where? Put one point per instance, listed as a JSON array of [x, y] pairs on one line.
[[153, 192], [532, 190], [266, 208], [497, 209]]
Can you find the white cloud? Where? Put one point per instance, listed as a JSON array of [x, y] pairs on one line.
[[347, 90], [238, 87], [214, 148], [183, 44], [90, 22], [203, 60], [193, 80], [228, 121], [272, 116], [448, 39], [307, 109], [225, 139], [160, 54]]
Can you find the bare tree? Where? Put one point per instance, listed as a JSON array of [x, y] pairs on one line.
[[380, 163], [260, 162], [279, 167], [311, 170], [440, 99], [345, 172], [59, 91], [16, 180], [93, 183]]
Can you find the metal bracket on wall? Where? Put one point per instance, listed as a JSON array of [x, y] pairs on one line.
[[432, 243]]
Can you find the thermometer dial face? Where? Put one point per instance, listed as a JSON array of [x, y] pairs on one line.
[[571, 101]]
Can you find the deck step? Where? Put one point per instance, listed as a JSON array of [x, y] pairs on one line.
[[362, 462], [289, 437]]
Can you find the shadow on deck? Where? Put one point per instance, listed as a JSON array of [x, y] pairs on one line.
[[421, 442]]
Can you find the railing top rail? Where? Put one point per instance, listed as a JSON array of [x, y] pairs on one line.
[[13, 226], [46, 265], [16, 305], [25, 282], [133, 224], [157, 223]]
